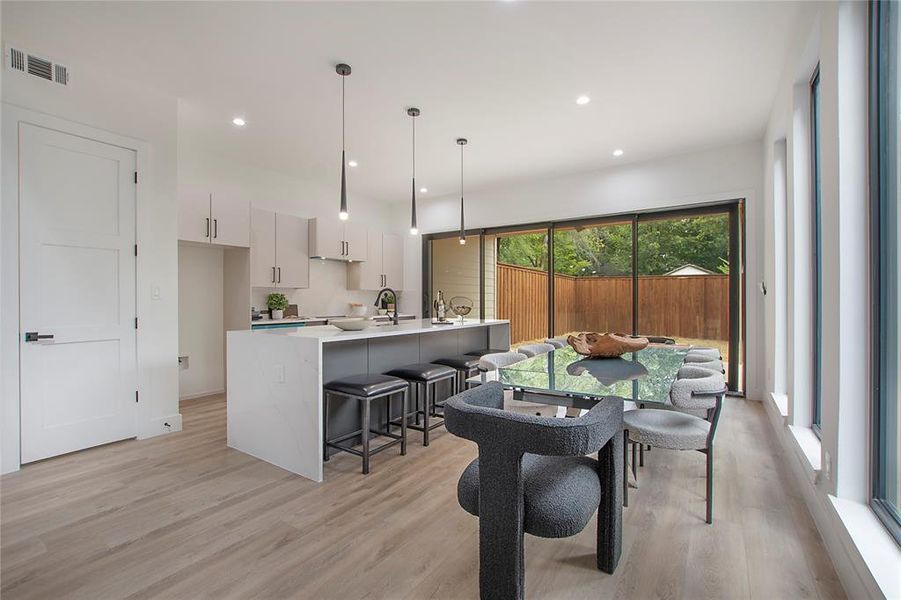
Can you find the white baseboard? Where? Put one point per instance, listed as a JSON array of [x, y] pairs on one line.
[[201, 394], [160, 426]]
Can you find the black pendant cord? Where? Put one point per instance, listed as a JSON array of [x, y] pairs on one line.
[[462, 142], [343, 70], [413, 227]]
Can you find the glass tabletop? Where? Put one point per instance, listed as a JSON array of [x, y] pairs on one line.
[[644, 376]]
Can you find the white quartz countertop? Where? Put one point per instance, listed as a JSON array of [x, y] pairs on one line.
[[330, 333]]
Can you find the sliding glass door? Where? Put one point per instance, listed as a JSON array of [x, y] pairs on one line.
[[593, 278], [675, 274]]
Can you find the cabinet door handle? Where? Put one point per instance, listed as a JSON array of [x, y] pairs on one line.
[[279, 280], [273, 274], [215, 228], [207, 227]]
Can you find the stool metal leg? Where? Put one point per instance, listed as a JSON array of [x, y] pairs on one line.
[[641, 455], [364, 425], [427, 405], [625, 467], [415, 385], [403, 422], [325, 427]]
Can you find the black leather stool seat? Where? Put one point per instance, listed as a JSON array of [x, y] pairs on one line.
[[423, 372], [462, 362], [367, 385], [481, 353]]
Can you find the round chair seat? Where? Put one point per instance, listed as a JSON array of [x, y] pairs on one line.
[[464, 362], [423, 372], [667, 429], [560, 493], [367, 385]]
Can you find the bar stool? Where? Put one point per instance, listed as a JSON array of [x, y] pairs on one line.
[[425, 376], [365, 389], [484, 351], [465, 365]]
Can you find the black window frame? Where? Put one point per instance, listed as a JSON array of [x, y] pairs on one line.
[[885, 253], [816, 235]]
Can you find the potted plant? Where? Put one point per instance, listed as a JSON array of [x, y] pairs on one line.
[[277, 304], [388, 301]]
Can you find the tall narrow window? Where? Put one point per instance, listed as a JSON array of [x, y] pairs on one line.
[[885, 131], [816, 250]]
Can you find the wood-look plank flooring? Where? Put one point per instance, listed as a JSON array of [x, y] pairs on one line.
[[183, 516]]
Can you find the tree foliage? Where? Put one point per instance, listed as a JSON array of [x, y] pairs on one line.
[[663, 245]]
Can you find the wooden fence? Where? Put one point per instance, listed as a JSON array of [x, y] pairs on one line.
[[693, 306]]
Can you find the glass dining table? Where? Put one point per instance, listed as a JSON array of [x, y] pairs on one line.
[[564, 378]]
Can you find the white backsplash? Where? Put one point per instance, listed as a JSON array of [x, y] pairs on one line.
[[327, 294]]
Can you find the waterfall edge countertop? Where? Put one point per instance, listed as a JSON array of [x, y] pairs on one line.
[[274, 380], [330, 333]]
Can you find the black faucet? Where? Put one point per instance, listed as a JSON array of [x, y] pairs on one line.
[[378, 299]]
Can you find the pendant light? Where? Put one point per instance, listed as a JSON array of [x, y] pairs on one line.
[[414, 230], [343, 70], [462, 142]]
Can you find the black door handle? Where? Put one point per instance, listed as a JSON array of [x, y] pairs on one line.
[[34, 336]]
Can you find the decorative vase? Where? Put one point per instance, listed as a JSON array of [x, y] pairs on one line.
[[277, 315]]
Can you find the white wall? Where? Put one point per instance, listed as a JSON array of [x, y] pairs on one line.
[[200, 327], [129, 109], [832, 471], [711, 175]]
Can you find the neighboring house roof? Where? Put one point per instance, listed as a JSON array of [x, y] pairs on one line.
[[690, 269]]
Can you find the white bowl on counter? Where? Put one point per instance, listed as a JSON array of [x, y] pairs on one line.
[[352, 324]]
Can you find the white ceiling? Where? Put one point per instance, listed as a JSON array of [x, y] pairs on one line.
[[663, 78]]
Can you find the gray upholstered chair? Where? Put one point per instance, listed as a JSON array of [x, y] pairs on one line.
[[715, 365], [534, 349], [556, 342], [496, 360], [533, 476], [694, 389], [698, 353]]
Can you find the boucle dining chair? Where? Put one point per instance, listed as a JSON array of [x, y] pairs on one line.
[[532, 476], [556, 342], [531, 350], [693, 390]]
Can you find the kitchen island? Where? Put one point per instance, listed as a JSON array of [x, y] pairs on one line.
[[274, 380]]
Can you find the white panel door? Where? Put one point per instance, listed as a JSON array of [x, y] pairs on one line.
[[292, 251], [231, 220], [393, 260], [77, 284], [355, 241], [194, 223], [262, 248]]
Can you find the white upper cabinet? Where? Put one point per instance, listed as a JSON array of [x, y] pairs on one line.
[[279, 255], [262, 248], [213, 217], [231, 220], [340, 240], [384, 266], [393, 260], [292, 255]]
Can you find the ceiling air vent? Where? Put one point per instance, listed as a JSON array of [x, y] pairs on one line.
[[36, 66]]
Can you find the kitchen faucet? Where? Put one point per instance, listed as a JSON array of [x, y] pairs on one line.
[[378, 299]]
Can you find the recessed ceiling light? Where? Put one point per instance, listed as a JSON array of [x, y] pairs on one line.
[[423, 190], [351, 163], [617, 152], [239, 121], [583, 100]]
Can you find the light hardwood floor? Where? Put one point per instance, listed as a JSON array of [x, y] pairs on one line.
[[182, 516]]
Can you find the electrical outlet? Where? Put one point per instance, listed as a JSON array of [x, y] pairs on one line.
[[182, 363], [279, 373]]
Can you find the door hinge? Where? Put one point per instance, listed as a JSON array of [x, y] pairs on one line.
[[136, 322], [136, 176], [136, 395], [136, 249]]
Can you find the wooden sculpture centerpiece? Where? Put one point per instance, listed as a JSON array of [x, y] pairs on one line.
[[605, 345]]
